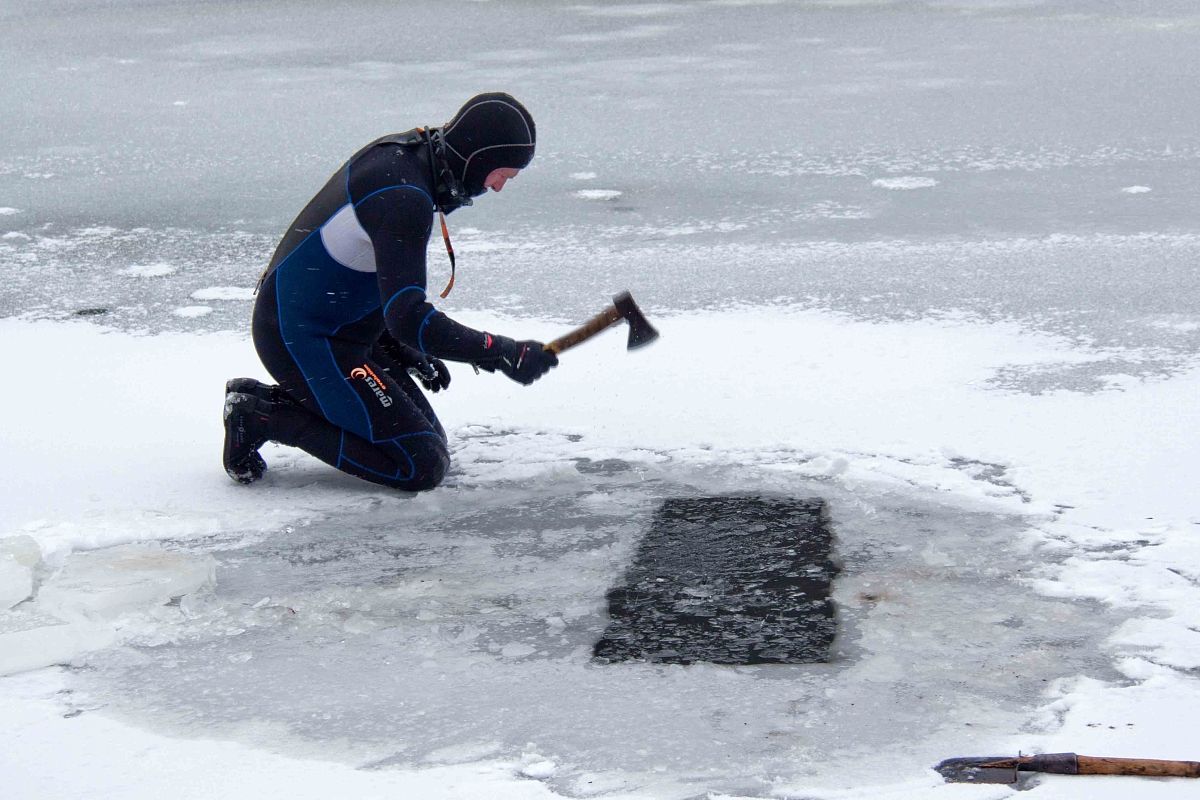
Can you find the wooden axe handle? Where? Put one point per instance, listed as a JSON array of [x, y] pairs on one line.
[[1098, 765], [607, 317]]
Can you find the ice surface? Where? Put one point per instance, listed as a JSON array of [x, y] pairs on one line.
[[991, 381], [473, 621]]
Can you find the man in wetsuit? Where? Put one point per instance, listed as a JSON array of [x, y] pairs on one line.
[[342, 315]]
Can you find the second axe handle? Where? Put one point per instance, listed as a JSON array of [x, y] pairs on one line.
[[607, 317], [1150, 767]]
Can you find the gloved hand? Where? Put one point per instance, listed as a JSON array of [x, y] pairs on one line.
[[524, 361], [430, 371]]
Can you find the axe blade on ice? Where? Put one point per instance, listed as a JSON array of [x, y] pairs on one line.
[[641, 332]]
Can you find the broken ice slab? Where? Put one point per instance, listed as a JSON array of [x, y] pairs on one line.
[[727, 580], [20, 556], [74, 610], [30, 638], [103, 584]]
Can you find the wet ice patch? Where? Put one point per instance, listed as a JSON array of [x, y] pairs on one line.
[[906, 183], [464, 617], [191, 312], [224, 293], [156, 270], [1136, 189], [597, 194]]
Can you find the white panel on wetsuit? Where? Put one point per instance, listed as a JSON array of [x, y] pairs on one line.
[[345, 240]]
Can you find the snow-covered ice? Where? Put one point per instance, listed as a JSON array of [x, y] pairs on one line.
[[905, 183], [598, 194], [894, 256], [224, 293], [156, 270], [191, 312]]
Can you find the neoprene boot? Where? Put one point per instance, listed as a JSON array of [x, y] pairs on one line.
[[246, 423]]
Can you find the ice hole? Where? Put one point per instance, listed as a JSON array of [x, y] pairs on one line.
[[726, 580]]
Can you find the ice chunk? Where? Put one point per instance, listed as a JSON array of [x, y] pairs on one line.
[[539, 769], [30, 638], [102, 584], [19, 557]]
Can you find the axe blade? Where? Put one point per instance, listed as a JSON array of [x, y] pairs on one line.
[[641, 332]]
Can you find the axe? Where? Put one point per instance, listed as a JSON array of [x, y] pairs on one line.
[[1002, 769], [641, 332]]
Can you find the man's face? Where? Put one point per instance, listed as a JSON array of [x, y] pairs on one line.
[[498, 177]]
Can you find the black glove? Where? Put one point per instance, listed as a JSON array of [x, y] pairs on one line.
[[430, 371], [524, 362]]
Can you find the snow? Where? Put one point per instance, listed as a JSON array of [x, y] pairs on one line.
[[904, 183], [191, 312], [598, 194], [992, 386], [157, 270], [224, 293]]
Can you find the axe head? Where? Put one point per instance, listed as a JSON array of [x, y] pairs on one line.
[[641, 332]]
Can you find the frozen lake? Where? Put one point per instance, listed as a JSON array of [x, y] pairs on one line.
[[933, 262], [1009, 160]]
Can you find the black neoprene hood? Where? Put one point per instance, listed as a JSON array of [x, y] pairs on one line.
[[490, 131]]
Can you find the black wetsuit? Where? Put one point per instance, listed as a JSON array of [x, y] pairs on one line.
[[351, 266]]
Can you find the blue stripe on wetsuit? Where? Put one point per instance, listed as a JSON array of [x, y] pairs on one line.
[[331, 296], [310, 272]]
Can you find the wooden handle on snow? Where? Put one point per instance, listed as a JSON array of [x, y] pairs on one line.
[[1149, 767]]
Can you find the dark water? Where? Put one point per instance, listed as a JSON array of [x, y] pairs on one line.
[[726, 580]]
